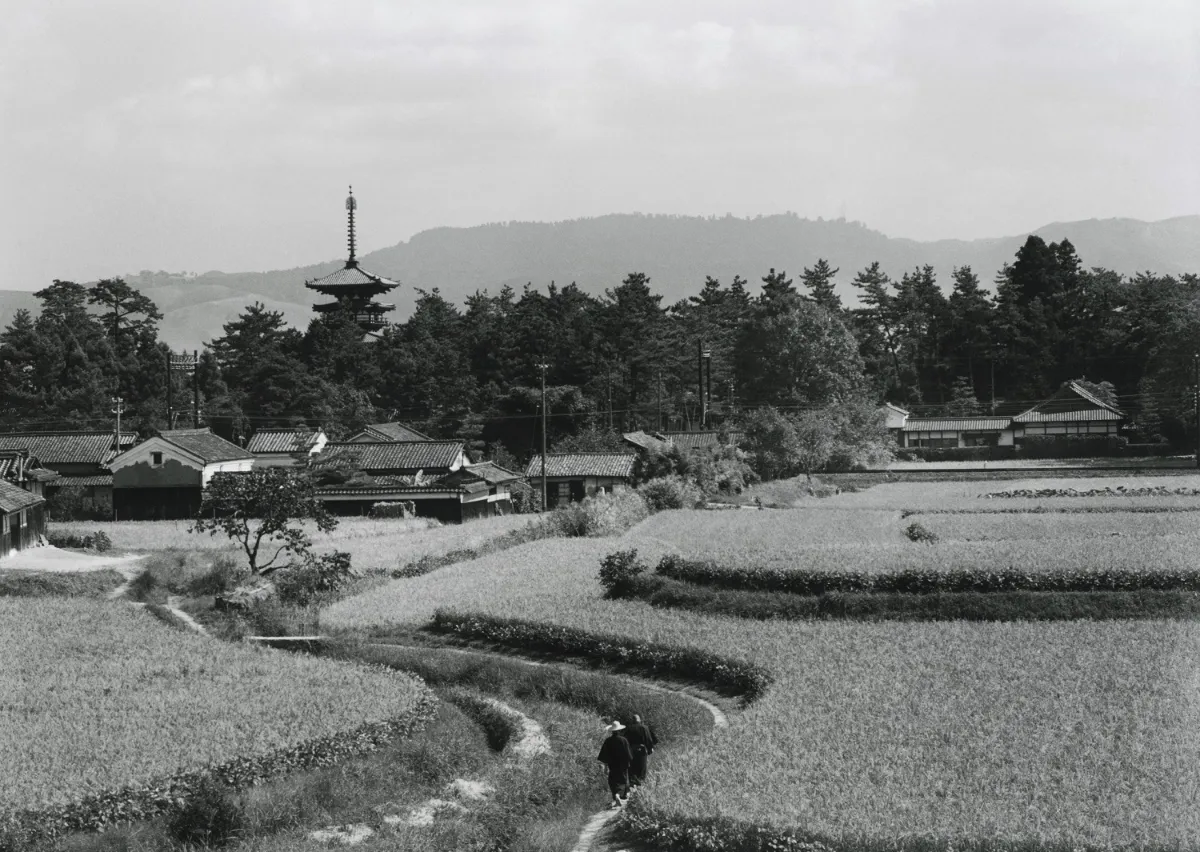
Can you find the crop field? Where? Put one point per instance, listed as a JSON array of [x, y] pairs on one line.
[[97, 696], [1074, 732]]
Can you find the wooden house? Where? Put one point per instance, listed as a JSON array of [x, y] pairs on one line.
[[79, 458], [26, 471], [375, 432], [572, 476], [164, 477], [22, 518], [285, 447], [705, 441]]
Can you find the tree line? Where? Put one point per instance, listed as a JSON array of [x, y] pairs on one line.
[[625, 360]]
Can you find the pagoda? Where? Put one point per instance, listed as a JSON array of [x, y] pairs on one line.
[[353, 288]]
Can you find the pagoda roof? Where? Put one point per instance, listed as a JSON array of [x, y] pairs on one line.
[[351, 278]]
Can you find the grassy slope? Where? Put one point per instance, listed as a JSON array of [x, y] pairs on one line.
[[1072, 731], [101, 696]]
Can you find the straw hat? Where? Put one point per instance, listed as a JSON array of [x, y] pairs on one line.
[[615, 726]]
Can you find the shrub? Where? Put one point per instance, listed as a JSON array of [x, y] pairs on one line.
[[525, 498], [670, 492], [710, 834], [617, 570], [918, 532], [725, 675], [317, 575], [97, 541], [224, 575], [210, 816], [600, 514], [395, 509]]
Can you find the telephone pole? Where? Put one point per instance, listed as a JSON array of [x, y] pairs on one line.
[[196, 390], [543, 366], [118, 409], [1196, 369]]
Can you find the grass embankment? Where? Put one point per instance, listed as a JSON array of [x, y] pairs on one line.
[[103, 698], [1013, 734], [59, 584]]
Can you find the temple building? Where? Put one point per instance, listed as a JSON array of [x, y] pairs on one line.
[[353, 287]]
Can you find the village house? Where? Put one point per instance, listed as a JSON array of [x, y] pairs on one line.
[[389, 432], [285, 447], [79, 458], [22, 518], [164, 477], [25, 471], [437, 477], [572, 476], [1071, 411]]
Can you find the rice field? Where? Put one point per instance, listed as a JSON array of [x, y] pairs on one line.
[[96, 696], [1071, 732]]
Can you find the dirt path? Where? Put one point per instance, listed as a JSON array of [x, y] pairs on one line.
[[590, 834], [50, 559]]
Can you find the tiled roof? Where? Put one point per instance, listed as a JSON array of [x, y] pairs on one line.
[[492, 473], [956, 424], [582, 464], [352, 277], [13, 498], [400, 455], [1071, 403], [390, 432], [83, 481], [204, 444], [281, 441], [700, 440], [53, 448], [645, 441]]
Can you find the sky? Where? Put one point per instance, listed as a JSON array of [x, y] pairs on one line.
[[193, 135]]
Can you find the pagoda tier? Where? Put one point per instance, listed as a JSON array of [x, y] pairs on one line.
[[354, 288]]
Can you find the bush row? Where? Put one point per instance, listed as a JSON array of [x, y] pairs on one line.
[[161, 795], [649, 828], [923, 582], [1119, 491], [661, 591], [722, 674], [97, 541]]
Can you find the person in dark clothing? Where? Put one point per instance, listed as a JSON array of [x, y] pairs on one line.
[[642, 742], [617, 756]]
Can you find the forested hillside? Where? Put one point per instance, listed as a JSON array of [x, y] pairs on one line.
[[629, 357], [676, 252]]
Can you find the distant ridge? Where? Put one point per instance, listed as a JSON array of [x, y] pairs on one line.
[[677, 252]]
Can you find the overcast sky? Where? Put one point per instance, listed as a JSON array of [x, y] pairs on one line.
[[221, 134]]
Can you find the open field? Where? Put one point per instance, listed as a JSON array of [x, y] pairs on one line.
[[1073, 732], [373, 544], [100, 696]]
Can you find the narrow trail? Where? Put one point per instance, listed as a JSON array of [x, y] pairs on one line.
[[530, 741], [599, 821]]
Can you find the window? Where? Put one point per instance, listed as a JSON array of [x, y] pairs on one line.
[[156, 459], [564, 491]]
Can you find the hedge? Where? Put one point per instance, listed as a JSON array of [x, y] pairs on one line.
[[722, 674], [159, 795], [660, 591], [923, 582]]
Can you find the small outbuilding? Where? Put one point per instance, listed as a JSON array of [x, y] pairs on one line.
[[572, 476], [164, 477], [22, 518]]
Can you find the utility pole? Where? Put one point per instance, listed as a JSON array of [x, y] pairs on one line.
[[196, 390], [700, 382], [708, 376], [1196, 368], [658, 391], [610, 411], [170, 419], [543, 366], [993, 362], [118, 409]]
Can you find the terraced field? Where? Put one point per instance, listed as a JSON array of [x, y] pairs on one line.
[[96, 696], [1025, 732]]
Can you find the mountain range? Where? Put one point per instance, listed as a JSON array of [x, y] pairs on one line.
[[677, 252]]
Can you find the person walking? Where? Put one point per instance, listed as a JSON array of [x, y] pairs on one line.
[[641, 742], [617, 756]]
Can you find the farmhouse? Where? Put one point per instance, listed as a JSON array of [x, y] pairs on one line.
[[572, 476], [22, 518], [163, 477], [79, 458], [285, 447], [1072, 411], [702, 440], [25, 471], [389, 432]]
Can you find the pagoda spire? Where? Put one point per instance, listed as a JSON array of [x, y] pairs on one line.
[[351, 205]]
